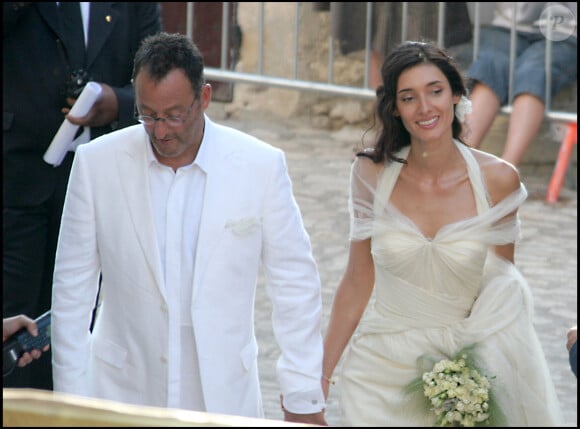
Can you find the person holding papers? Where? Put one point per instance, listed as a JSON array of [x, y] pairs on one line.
[[46, 60]]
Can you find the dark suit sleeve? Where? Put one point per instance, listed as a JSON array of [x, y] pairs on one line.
[[11, 13]]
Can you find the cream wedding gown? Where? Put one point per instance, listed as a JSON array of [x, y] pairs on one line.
[[435, 296]]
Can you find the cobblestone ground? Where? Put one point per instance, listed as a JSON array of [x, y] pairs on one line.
[[319, 163]]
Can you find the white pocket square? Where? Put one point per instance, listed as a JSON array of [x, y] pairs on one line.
[[242, 226]]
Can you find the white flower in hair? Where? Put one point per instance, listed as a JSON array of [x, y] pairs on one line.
[[463, 108]]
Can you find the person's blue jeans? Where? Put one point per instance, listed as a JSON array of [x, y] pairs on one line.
[[492, 64]]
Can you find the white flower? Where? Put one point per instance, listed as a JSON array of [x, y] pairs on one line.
[[462, 108]]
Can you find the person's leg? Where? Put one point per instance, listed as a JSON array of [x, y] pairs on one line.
[[489, 74], [24, 240], [485, 106], [525, 122], [528, 106]]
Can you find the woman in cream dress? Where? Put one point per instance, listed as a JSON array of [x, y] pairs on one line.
[[431, 263]]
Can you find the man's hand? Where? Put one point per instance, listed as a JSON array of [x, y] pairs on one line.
[[104, 111]]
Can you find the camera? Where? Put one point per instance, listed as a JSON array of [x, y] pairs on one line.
[[76, 82]]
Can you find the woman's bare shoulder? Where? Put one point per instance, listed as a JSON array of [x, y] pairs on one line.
[[501, 177]]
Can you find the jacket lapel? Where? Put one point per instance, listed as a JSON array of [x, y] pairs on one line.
[[49, 13], [216, 208], [102, 20], [133, 165]]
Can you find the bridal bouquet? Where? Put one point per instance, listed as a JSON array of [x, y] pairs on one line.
[[457, 393]]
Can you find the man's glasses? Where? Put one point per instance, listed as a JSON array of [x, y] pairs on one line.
[[170, 121]]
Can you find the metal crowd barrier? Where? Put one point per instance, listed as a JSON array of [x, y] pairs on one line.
[[259, 77]]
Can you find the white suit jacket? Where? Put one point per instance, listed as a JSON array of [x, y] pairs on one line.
[[249, 217]]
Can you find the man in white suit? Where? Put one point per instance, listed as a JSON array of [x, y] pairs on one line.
[[177, 214]]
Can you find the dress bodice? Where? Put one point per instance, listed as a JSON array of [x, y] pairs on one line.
[[448, 266]]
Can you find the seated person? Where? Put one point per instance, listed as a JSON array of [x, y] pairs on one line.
[[489, 73]]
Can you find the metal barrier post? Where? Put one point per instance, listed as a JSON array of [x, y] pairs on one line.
[[562, 162]]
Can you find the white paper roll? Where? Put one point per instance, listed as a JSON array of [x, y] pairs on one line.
[[63, 138]]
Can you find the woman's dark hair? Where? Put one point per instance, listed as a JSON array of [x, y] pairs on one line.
[[393, 135], [163, 52]]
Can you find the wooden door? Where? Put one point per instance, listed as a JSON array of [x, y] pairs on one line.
[[207, 35]]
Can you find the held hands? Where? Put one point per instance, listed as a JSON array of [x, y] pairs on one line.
[[104, 111], [313, 419], [326, 382]]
